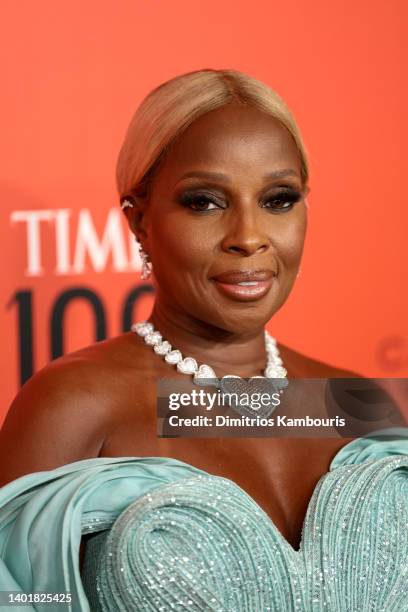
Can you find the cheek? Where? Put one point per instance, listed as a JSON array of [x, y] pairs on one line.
[[289, 243], [180, 246]]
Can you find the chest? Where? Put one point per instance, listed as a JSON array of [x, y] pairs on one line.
[[279, 474]]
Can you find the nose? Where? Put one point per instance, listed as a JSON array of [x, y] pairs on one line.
[[244, 234]]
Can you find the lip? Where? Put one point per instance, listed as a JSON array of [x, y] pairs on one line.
[[233, 277], [228, 284]]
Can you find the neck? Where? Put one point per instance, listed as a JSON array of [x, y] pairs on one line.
[[242, 354]]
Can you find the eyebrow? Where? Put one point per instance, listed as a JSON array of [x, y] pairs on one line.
[[224, 178]]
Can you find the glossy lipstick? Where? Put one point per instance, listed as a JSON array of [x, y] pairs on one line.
[[244, 285]]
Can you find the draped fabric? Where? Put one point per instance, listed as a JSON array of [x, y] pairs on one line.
[[169, 536], [43, 515]]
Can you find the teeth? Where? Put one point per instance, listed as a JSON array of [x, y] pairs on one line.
[[248, 283]]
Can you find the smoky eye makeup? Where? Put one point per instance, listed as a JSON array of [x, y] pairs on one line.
[[281, 199], [201, 200]]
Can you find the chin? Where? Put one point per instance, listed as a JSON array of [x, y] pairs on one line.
[[245, 313], [246, 319]]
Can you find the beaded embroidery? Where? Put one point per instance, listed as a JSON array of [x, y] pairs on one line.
[[203, 544]]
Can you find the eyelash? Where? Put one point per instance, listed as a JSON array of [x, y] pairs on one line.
[[285, 196]]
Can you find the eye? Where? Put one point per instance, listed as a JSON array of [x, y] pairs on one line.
[[199, 202], [283, 201]]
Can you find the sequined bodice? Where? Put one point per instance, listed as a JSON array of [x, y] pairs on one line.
[[204, 544], [171, 537]]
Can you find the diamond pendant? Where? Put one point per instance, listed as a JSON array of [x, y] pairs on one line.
[[240, 389]]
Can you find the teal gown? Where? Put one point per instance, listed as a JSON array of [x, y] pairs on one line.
[[169, 537]]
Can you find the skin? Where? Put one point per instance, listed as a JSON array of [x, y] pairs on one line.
[[101, 400]]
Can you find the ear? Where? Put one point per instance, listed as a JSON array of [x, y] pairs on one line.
[[134, 208]]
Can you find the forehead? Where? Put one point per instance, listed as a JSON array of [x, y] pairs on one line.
[[234, 137]]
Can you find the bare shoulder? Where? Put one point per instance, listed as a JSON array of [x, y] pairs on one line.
[[299, 366], [64, 412]]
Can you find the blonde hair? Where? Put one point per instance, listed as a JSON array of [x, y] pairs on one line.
[[172, 106]]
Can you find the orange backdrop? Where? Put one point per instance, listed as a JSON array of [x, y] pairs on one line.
[[72, 75]]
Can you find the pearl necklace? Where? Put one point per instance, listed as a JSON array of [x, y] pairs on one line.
[[200, 373]]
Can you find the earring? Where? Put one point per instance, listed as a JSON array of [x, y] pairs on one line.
[[147, 266], [126, 204]]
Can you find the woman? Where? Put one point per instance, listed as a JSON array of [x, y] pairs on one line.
[[213, 179]]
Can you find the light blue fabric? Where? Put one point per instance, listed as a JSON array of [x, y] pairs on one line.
[[177, 538], [42, 516]]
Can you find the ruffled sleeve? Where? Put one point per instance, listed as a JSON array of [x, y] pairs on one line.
[[377, 445], [43, 515]]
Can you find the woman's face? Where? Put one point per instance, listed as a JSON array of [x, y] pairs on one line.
[[227, 200]]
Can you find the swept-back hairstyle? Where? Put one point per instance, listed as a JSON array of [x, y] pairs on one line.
[[172, 106]]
